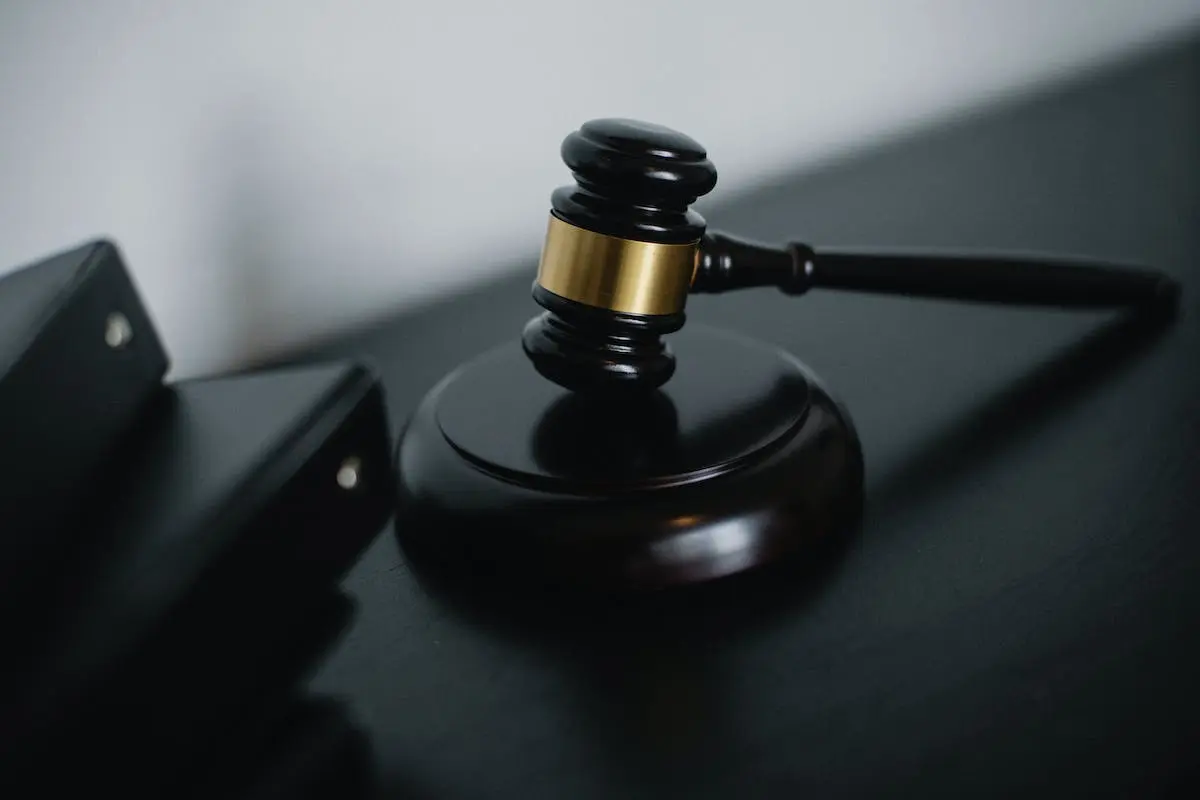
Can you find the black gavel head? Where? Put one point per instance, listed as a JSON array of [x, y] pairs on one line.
[[619, 256]]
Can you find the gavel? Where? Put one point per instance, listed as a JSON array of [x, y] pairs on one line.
[[623, 251], [592, 454]]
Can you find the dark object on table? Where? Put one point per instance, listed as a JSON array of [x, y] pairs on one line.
[[726, 262], [79, 360], [1020, 614], [743, 458], [624, 249], [601, 462], [258, 673], [317, 753], [199, 590]]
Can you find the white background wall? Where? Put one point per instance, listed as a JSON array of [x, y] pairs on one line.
[[275, 169]]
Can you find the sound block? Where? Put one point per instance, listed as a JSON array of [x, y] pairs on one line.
[[742, 459]]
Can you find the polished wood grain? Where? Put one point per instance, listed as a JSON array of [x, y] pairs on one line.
[[743, 459]]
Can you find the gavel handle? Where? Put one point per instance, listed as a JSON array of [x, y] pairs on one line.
[[726, 263]]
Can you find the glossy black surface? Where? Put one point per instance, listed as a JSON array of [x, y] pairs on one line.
[[740, 461], [595, 350], [729, 262], [732, 399], [1019, 616], [1029, 280], [634, 180]]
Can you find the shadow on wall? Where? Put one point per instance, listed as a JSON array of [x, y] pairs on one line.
[[293, 226], [245, 231]]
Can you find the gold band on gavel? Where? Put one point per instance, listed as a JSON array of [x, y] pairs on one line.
[[614, 273]]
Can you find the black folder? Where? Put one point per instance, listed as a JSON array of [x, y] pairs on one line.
[[226, 520], [79, 359]]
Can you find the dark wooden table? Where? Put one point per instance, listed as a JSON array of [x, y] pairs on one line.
[[1020, 610]]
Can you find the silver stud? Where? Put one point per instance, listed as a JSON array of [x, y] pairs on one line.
[[348, 474], [117, 330]]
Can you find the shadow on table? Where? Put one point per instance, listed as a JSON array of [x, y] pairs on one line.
[[1029, 404]]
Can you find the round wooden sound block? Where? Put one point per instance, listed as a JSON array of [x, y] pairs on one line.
[[743, 458]]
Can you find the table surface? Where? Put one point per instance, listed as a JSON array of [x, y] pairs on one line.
[[1019, 611]]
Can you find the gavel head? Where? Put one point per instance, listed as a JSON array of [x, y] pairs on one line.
[[620, 254]]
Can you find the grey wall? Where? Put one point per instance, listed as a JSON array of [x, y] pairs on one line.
[[276, 169]]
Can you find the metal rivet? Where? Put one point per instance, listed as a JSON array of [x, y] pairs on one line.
[[117, 330], [348, 474]]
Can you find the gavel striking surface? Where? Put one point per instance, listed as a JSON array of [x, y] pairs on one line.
[[741, 459]]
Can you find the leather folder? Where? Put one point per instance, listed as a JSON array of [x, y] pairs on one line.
[[235, 508], [79, 360]]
